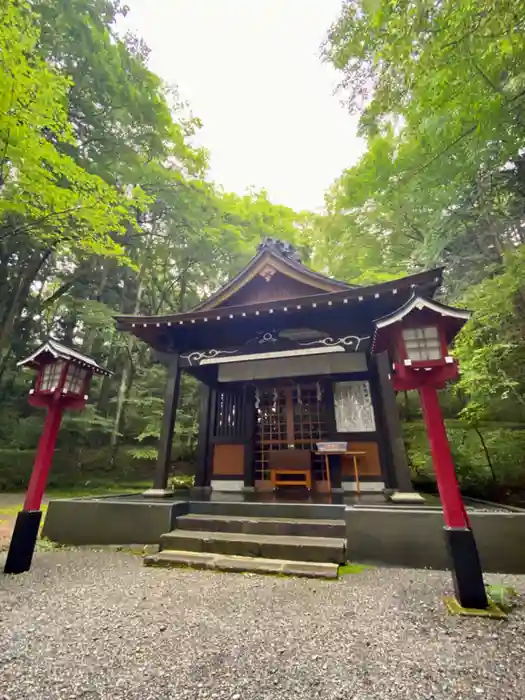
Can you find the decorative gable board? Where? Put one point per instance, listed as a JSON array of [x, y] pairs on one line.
[[267, 272], [270, 285]]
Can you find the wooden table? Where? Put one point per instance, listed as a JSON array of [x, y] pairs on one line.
[[347, 453]]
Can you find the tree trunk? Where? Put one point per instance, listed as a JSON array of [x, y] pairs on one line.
[[28, 276], [91, 335], [104, 395], [126, 376], [182, 290], [487, 455], [126, 379], [122, 394]]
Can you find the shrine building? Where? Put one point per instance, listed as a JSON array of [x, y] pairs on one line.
[[282, 354]]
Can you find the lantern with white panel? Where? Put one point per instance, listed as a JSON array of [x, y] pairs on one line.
[[417, 337], [63, 377]]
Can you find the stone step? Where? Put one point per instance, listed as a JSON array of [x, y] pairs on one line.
[[262, 526], [309, 511], [318, 549], [259, 565]]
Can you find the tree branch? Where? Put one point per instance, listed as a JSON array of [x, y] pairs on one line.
[[450, 146], [57, 294]]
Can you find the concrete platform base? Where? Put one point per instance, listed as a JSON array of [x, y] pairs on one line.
[[377, 532], [239, 564], [412, 537]]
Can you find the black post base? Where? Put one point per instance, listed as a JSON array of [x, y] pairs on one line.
[[23, 542], [466, 568]]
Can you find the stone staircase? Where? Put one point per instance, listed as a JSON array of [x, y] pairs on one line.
[[274, 538]]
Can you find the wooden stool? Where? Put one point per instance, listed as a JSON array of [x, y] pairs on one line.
[[305, 480], [290, 463]]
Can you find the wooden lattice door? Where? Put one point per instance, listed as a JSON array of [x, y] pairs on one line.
[[287, 417]]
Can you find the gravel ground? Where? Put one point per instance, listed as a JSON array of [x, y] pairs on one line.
[[86, 624]]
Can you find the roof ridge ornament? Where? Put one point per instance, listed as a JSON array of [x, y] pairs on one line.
[[281, 248]]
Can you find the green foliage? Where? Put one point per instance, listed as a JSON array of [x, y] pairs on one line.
[[181, 481], [502, 596], [43, 190], [75, 468], [439, 89], [491, 347], [350, 569], [104, 209], [505, 447]]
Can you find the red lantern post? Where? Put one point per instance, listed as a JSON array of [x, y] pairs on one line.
[[62, 383], [417, 336]]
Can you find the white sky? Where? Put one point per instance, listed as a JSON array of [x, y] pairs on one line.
[[250, 70]]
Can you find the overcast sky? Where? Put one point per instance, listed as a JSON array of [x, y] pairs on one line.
[[251, 71]]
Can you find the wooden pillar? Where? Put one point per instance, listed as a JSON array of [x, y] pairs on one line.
[[171, 398], [202, 475], [392, 426]]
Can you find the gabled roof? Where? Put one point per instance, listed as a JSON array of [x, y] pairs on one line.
[[183, 326], [274, 256], [55, 350]]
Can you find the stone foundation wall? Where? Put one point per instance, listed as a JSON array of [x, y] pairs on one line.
[[105, 521], [413, 538]]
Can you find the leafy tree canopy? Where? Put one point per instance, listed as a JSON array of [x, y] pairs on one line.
[[440, 89], [43, 191]]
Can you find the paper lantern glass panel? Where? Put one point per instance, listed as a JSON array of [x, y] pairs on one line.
[[75, 379], [422, 343], [51, 374]]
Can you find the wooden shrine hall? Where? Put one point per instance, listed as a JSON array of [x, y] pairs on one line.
[[282, 354]]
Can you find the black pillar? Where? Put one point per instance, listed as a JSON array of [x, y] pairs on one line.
[[202, 477], [23, 542], [328, 408], [171, 397], [249, 430], [466, 568], [392, 425]]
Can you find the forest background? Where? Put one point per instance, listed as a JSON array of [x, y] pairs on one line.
[[106, 207]]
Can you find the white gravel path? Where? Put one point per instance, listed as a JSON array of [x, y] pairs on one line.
[[85, 624]]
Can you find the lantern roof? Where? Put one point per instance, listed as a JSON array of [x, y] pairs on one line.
[[453, 319], [53, 350]]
